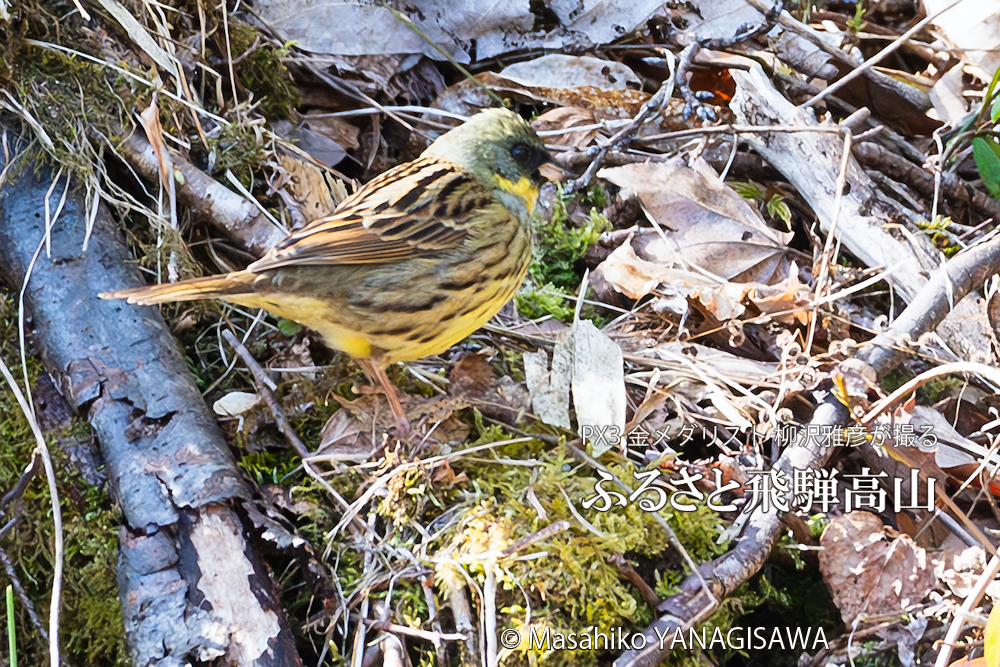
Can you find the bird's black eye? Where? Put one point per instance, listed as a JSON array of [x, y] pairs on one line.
[[521, 153]]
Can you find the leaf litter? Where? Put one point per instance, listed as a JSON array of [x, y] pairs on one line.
[[681, 326]]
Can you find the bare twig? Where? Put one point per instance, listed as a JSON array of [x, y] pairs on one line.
[[29, 473], [29, 606], [690, 52], [883, 81], [440, 648], [462, 611], [970, 602], [264, 384], [878, 57], [207, 199], [677, 77], [873, 156], [831, 236], [490, 614], [961, 274], [417, 632], [628, 573], [626, 134], [550, 530]]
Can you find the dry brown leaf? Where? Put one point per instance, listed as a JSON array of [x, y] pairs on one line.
[[973, 30], [354, 28], [723, 364], [150, 120], [786, 300], [235, 403], [868, 574], [635, 278], [558, 70], [973, 328], [473, 381], [967, 661], [315, 190], [467, 97], [369, 39], [563, 118], [339, 130], [444, 476], [947, 97], [709, 224], [346, 438], [961, 568], [936, 445]]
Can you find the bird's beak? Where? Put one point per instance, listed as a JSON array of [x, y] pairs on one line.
[[551, 171]]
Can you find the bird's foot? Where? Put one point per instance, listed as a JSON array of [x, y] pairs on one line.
[[377, 373]]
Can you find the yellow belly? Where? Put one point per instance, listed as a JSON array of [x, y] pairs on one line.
[[435, 336]]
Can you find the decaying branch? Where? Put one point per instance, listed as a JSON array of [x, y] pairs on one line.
[[869, 225], [725, 574], [192, 589], [208, 200], [810, 162], [899, 169], [965, 272]]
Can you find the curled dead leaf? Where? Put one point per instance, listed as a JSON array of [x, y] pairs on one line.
[[555, 126], [235, 403], [868, 573]]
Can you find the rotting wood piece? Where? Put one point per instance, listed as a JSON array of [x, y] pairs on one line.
[[192, 589]]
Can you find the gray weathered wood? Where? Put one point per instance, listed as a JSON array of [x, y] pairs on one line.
[[191, 587]]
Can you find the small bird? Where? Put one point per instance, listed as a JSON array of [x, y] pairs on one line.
[[410, 264]]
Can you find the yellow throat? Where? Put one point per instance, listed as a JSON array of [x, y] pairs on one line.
[[525, 189]]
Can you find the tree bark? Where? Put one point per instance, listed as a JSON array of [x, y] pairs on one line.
[[192, 589]]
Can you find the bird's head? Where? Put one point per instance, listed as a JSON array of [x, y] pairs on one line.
[[500, 149]]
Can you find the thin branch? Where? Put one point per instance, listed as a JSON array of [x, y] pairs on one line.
[[877, 58], [264, 384], [958, 622]]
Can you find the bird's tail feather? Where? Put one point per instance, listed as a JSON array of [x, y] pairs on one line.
[[228, 287]]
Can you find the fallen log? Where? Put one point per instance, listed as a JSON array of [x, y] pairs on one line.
[[192, 588]]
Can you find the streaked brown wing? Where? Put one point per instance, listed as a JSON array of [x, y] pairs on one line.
[[418, 207]]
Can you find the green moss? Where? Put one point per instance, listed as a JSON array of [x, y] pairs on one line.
[[929, 393], [62, 92], [91, 625], [238, 148], [893, 380], [264, 73], [567, 580], [559, 247], [534, 302], [933, 390]]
